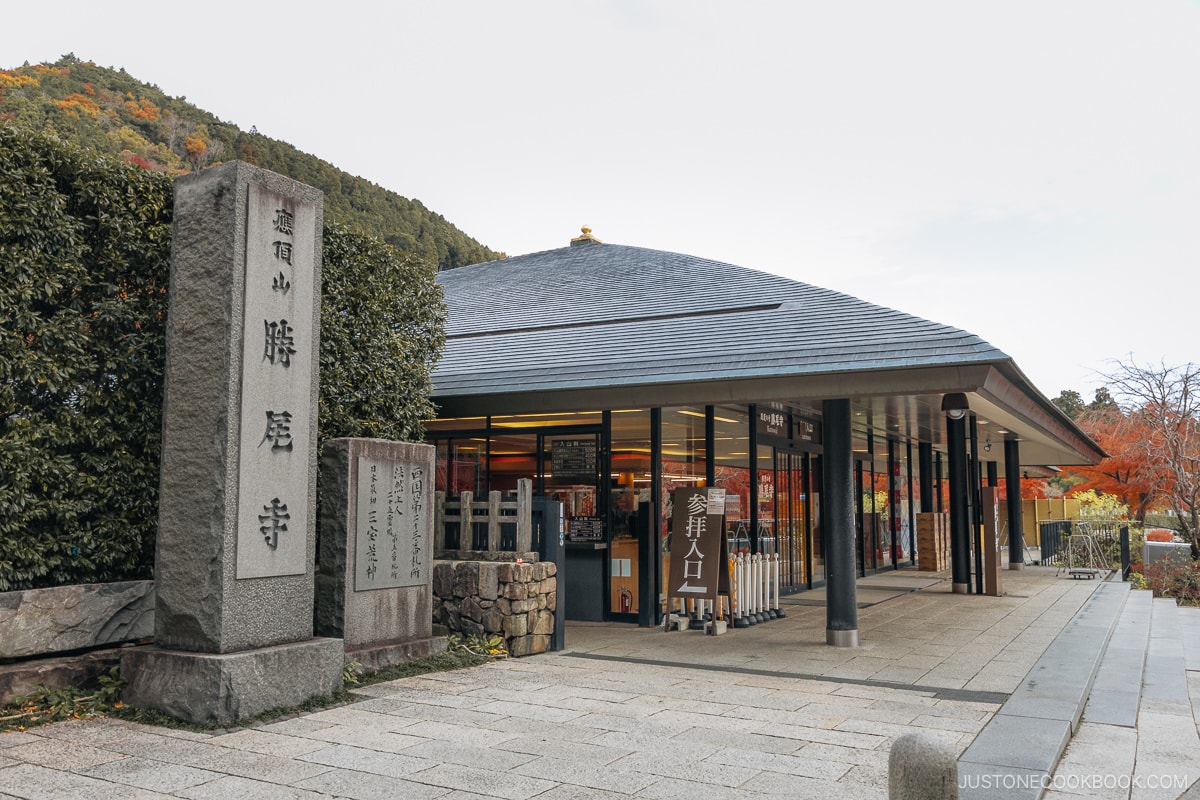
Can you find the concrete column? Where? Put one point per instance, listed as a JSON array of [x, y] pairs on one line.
[[960, 516], [1016, 526], [841, 610]]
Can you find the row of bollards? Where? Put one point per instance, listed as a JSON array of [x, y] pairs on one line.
[[755, 589], [753, 597]]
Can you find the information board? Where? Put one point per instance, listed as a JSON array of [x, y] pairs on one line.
[[699, 561], [573, 459], [585, 529]]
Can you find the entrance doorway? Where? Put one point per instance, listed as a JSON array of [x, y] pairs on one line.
[[796, 521]]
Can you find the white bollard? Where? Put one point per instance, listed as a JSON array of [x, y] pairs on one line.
[[738, 592], [756, 588], [766, 587], [778, 586]]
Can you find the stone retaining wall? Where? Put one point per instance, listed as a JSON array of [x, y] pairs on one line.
[[516, 600], [44, 633]]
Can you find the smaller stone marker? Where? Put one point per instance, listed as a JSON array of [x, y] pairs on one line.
[[922, 767], [375, 564]]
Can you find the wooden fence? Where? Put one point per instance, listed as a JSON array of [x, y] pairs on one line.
[[459, 519]]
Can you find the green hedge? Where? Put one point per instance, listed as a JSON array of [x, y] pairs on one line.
[[84, 260]]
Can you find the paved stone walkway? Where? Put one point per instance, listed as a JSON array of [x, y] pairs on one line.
[[623, 712]]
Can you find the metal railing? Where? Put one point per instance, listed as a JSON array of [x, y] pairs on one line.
[[1054, 537]]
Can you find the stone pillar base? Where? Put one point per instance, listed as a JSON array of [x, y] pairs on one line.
[[960, 588], [378, 656], [1016, 565], [221, 688]]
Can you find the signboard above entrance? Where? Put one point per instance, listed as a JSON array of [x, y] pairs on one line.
[[771, 423]]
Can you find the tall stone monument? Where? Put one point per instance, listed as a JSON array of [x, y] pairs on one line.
[[236, 542], [375, 571]]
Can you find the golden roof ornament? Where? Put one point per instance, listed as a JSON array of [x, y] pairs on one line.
[[585, 236]]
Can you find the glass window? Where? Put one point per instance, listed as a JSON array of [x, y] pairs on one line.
[[629, 487], [455, 424], [731, 441], [550, 420]]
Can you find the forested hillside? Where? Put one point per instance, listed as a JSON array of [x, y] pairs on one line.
[[111, 112]]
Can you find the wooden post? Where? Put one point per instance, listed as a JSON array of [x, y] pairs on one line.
[[525, 515], [493, 522], [439, 520], [466, 516]]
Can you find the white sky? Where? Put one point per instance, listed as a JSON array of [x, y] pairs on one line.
[[1028, 170]]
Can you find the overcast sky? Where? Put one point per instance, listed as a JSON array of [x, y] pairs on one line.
[[1027, 171]]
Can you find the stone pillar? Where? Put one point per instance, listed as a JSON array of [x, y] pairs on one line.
[[841, 609], [960, 515], [236, 542], [1012, 485], [375, 564]]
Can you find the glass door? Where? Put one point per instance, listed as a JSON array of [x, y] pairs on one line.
[[817, 536], [570, 468], [791, 520]]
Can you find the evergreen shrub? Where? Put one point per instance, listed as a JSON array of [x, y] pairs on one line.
[[84, 265]]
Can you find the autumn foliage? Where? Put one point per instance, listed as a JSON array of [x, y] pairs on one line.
[[1126, 473]]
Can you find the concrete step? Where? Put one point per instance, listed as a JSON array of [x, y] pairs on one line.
[[1117, 690], [1026, 738], [1167, 733], [1189, 628], [1164, 685]]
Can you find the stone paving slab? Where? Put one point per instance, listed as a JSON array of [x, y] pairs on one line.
[[767, 711]]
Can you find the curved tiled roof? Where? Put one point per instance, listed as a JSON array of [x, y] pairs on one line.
[[603, 315]]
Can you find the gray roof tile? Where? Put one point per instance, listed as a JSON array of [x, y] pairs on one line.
[[604, 315]]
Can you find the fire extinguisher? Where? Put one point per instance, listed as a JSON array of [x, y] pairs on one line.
[[626, 601]]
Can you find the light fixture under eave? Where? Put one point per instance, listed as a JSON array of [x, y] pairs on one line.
[[955, 405]]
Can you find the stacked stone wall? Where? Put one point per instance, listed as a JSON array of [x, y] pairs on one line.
[[515, 600]]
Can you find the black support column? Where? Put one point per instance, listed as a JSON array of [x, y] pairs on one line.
[[841, 609], [1012, 488], [960, 515], [925, 464]]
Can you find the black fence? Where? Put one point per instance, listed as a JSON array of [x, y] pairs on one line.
[[1055, 533]]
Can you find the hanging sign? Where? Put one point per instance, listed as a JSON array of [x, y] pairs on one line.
[[804, 430], [771, 424]]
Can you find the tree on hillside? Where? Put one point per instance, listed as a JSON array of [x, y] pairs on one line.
[[112, 113], [1070, 402], [1154, 439]]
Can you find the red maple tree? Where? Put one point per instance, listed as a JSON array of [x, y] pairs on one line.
[[1138, 480]]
